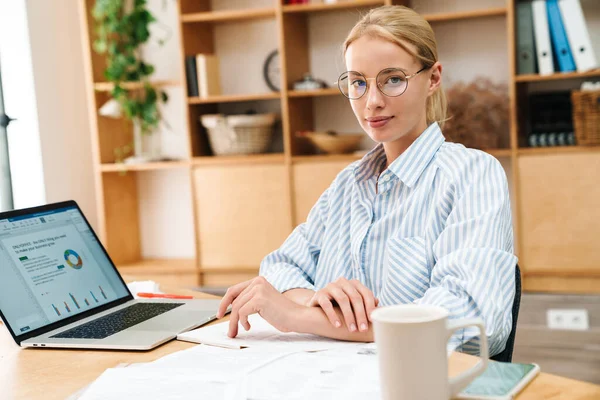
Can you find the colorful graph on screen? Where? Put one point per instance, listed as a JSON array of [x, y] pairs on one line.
[[73, 259]]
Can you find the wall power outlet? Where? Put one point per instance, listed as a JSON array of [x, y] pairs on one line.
[[568, 319]]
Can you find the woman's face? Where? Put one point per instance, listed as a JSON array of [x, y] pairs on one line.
[[392, 120]]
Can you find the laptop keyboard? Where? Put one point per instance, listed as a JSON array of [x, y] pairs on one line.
[[117, 321]]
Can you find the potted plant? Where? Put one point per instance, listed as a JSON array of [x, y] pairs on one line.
[[122, 28]]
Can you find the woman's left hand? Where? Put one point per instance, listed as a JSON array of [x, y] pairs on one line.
[[259, 296]]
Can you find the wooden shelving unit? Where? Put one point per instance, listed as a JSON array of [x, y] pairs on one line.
[[239, 160], [332, 91], [233, 98], [152, 166], [260, 198], [460, 15], [558, 150], [557, 76], [108, 86], [229, 16], [343, 5]]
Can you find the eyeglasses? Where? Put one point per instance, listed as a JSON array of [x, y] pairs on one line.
[[392, 82]]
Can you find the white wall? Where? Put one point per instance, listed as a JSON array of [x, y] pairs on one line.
[[62, 112], [19, 96]]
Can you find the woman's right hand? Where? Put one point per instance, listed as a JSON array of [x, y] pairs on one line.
[[354, 299]]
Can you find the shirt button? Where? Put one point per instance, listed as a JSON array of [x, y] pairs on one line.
[[385, 178]]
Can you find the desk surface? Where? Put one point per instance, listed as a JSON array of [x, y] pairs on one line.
[[56, 374]]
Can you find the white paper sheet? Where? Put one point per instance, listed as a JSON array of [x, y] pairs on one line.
[[218, 360], [348, 373], [160, 383], [261, 335]]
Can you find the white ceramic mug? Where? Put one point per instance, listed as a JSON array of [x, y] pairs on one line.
[[411, 344]]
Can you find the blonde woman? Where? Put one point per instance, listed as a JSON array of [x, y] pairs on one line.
[[416, 220]]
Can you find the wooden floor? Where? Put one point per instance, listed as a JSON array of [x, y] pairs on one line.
[[574, 354]]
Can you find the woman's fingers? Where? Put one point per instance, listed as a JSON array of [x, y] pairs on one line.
[[325, 303], [369, 300], [343, 302], [232, 293], [358, 306], [234, 317]]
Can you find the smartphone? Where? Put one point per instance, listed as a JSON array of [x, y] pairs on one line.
[[500, 381]]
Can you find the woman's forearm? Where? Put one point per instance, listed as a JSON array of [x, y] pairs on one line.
[[300, 296], [313, 320]]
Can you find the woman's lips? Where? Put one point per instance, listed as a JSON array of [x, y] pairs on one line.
[[378, 122]]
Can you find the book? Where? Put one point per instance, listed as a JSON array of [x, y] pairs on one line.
[[543, 47], [560, 44], [578, 35], [550, 119], [191, 76], [208, 75], [525, 39]]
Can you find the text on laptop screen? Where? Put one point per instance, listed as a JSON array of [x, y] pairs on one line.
[[51, 268]]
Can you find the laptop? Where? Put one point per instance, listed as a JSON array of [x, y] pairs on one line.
[[59, 288]]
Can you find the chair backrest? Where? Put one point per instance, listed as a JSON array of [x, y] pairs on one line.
[[506, 355]]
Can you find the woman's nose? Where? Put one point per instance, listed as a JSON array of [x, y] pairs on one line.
[[374, 97]]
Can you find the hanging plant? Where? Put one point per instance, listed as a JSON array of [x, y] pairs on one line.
[[122, 27]]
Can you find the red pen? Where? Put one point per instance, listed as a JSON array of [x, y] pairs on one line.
[[163, 296]]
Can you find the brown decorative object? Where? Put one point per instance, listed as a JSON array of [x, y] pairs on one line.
[[331, 142], [478, 114], [586, 117]]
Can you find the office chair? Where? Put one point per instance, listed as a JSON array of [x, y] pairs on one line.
[[506, 355]]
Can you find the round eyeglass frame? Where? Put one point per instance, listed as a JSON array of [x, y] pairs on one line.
[[407, 77]]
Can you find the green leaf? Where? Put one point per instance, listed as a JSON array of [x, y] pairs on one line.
[[100, 46]]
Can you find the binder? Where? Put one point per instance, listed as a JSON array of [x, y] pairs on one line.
[[578, 35], [525, 41], [209, 78], [191, 76], [543, 48], [560, 44]]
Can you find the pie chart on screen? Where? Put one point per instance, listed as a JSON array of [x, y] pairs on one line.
[[73, 259]]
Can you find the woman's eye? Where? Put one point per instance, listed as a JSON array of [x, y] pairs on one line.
[[358, 83], [394, 80]]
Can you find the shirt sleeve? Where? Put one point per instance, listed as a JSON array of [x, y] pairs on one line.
[[293, 265], [474, 272]]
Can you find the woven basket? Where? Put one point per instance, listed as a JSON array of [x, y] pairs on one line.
[[239, 134], [586, 117]]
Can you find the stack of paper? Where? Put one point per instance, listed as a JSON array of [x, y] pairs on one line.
[[261, 335]]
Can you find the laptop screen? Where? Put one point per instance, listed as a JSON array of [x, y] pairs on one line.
[[52, 268]]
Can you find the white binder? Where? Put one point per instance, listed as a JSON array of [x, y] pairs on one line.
[[578, 35], [543, 48]]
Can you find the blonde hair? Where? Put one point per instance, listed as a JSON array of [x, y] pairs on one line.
[[401, 25]]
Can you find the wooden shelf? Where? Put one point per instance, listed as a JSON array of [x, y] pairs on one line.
[[270, 158], [326, 158], [499, 152], [108, 86], [158, 265], [230, 270], [234, 98], [460, 15], [314, 93], [556, 76], [558, 150], [299, 8], [151, 166], [229, 15]]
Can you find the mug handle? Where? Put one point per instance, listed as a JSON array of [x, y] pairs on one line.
[[461, 381]]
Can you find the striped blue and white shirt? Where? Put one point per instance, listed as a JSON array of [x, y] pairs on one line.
[[435, 228]]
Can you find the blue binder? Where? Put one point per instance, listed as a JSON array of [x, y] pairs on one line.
[[560, 44]]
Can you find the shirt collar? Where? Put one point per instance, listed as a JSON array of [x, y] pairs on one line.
[[409, 166]]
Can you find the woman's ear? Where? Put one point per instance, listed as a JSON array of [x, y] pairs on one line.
[[435, 79]]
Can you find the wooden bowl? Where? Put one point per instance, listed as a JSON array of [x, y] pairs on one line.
[[335, 144]]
